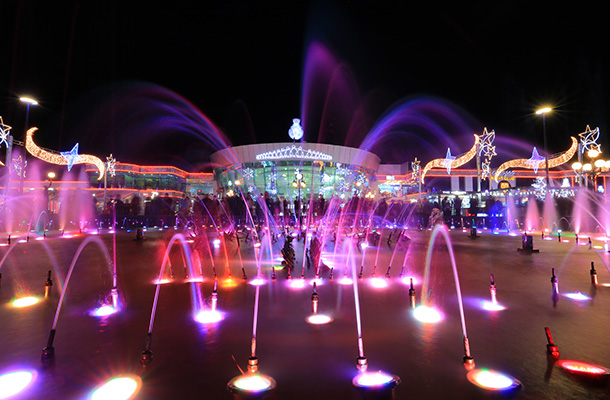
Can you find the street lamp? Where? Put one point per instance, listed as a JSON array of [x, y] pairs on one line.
[[544, 111], [51, 175], [299, 184], [592, 168], [29, 102]]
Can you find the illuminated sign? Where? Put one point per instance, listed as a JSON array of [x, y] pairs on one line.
[[504, 185]]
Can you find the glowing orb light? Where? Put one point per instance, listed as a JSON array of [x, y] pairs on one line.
[[317, 281], [251, 383], [103, 311], [374, 379], [257, 281], [209, 316], [15, 382], [346, 281], [318, 319], [379, 283], [427, 314], [577, 296], [296, 283], [25, 302], [407, 280], [492, 306], [121, 388], [578, 367], [492, 380]]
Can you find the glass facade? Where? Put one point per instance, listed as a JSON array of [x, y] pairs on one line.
[[288, 178]]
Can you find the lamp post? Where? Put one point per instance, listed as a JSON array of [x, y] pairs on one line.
[[592, 168], [544, 111], [29, 102], [51, 175], [298, 183]]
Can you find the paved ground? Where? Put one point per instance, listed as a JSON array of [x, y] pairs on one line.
[[193, 361]]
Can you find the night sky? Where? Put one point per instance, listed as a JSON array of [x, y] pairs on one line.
[[108, 74]]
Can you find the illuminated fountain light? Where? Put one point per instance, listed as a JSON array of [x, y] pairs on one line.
[[104, 311], [209, 316], [120, 388], [228, 283], [195, 279], [578, 367], [407, 280], [319, 319], [577, 296], [297, 283], [376, 379], [25, 301], [13, 383], [216, 243], [258, 281], [379, 283], [492, 306], [161, 281], [346, 281], [251, 383], [318, 281], [492, 380], [427, 314]]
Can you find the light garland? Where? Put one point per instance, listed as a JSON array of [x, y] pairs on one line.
[[60, 159], [294, 151], [527, 163], [457, 162]]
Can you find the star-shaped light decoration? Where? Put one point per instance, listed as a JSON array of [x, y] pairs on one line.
[[110, 165], [4, 133], [415, 168], [535, 160], [71, 156], [19, 165], [447, 161], [588, 139]]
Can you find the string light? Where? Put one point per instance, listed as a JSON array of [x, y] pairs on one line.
[[59, 159]]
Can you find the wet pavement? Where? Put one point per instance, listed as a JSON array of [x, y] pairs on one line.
[[194, 361]]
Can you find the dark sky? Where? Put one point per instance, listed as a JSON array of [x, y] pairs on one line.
[[125, 76]]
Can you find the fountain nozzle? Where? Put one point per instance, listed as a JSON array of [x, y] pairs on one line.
[[330, 275], [8, 240], [362, 364], [253, 365], [48, 352], [314, 300], [47, 285], [468, 359], [492, 289], [551, 347], [387, 274], [412, 295], [146, 357], [593, 273], [554, 282]]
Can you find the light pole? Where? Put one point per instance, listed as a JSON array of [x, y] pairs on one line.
[[544, 111], [50, 176], [592, 168], [29, 102], [298, 183]]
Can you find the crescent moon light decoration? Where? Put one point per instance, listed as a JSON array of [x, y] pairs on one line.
[[60, 159], [457, 162], [562, 158]]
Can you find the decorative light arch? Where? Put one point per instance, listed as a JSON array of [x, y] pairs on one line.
[[538, 162], [451, 162], [294, 151], [67, 158]]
